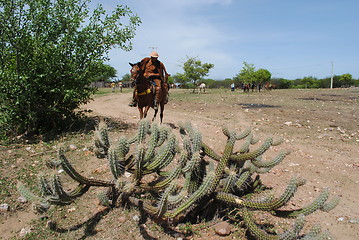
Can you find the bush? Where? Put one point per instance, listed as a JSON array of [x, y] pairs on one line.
[[50, 53]]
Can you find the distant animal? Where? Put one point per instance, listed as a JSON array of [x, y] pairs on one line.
[[269, 86], [201, 87], [245, 87], [145, 94]]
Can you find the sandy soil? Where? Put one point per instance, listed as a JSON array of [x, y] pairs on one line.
[[321, 127]]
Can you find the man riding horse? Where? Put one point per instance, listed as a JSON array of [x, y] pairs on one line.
[[155, 71]]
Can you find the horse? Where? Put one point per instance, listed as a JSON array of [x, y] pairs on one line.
[[145, 93], [269, 86], [245, 87], [202, 86]]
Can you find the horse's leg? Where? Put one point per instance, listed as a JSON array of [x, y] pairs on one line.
[[162, 109], [154, 116], [141, 112], [146, 111]]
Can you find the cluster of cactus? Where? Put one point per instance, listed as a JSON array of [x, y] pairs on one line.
[[189, 178]]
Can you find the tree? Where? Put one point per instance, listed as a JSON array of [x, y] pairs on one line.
[[346, 80], [126, 77], [50, 53], [282, 83], [247, 74], [194, 70], [262, 75], [106, 72]]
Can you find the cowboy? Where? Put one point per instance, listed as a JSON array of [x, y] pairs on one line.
[[155, 71]]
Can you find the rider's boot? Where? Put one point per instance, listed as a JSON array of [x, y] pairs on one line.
[[155, 107], [133, 103]]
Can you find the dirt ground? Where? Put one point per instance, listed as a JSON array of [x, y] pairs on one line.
[[320, 127]]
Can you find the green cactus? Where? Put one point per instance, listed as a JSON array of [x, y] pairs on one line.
[[270, 164], [189, 178], [101, 140], [314, 206], [202, 190], [252, 155], [65, 164]]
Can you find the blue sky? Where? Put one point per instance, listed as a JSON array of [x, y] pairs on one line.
[[290, 38]]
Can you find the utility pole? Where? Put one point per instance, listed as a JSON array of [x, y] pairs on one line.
[[331, 79]]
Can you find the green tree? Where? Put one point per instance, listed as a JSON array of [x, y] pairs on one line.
[[282, 83], [247, 74], [50, 51], [126, 77], [307, 82], [262, 76], [106, 72], [194, 71], [346, 80]]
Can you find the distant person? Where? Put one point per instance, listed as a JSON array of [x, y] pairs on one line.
[[113, 86], [232, 87], [120, 86]]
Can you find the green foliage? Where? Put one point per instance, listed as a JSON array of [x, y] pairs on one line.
[[105, 73], [50, 53], [126, 78], [189, 180], [247, 74], [262, 75], [194, 70], [346, 80]]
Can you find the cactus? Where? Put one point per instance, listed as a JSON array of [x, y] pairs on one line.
[[189, 178]]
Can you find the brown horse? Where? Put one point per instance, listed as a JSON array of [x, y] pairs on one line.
[[145, 93]]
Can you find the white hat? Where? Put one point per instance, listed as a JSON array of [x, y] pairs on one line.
[[154, 54]]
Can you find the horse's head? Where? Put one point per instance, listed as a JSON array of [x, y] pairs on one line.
[[136, 72]]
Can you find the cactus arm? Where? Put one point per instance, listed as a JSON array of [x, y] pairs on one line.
[[314, 206], [230, 180], [256, 153], [61, 197], [254, 229], [243, 134], [202, 190], [142, 130], [329, 205], [65, 164], [101, 140], [270, 164], [209, 152], [140, 154], [27, 194], [172, 176], [152, 142], [116, 167], [165, 155], [242, 180], [162, 205], [245, 146], [228, 150], [163, 134], [45, 187], [294, 232], [278, 141], [268, 205]]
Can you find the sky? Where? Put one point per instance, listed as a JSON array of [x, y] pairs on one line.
[[290, 38]]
